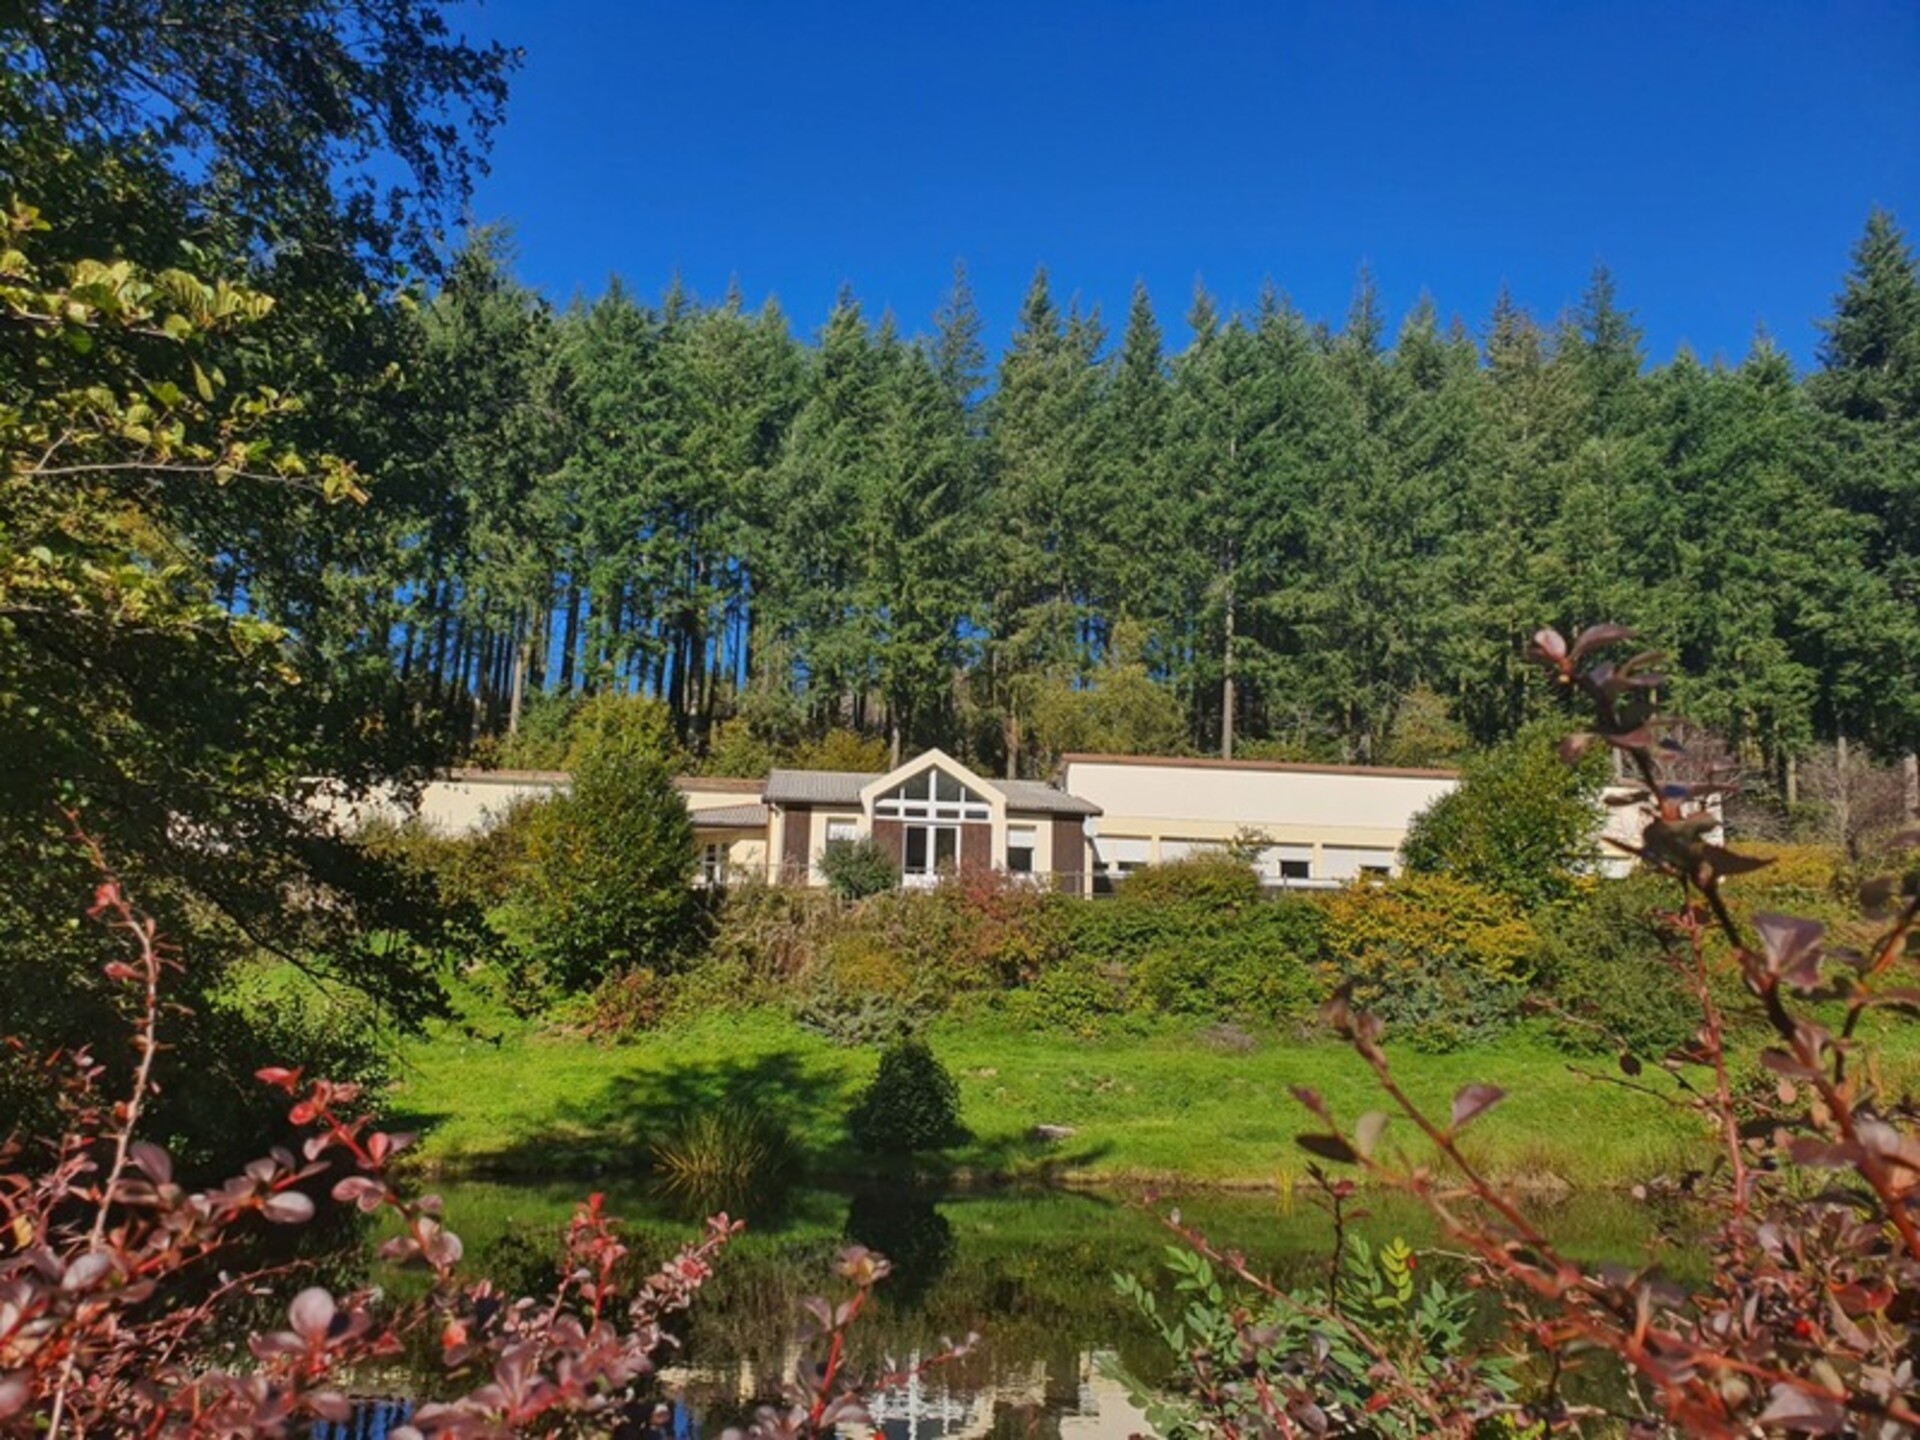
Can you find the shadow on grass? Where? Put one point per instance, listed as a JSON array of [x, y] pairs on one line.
[[610, 1129]]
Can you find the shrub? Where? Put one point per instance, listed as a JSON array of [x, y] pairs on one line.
[[856, 869], [913, 1103], [627, 1003], [1258, 966], [1214, 880], [1521, 823], [609, 869], [1607, 964], [1080, 997], [1445, 961]]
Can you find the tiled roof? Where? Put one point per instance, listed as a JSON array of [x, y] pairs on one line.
[[840, 787], [730, 817], [815, 787], [1038, 796]]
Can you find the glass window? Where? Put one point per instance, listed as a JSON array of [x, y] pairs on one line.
[[840, 827], [946, 845], [932, 795], [1020, 848], [916, 849], [1296, 870]]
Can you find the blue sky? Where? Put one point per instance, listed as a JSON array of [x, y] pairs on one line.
[[1721, 159]]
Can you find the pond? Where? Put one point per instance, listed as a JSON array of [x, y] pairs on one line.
[[1031, 1271]]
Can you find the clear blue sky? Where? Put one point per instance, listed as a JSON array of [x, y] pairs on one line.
[[1720, 158]]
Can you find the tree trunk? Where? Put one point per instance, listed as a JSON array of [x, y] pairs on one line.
[[1910, 785], [569, 638], [1228, 689], [522, 661]]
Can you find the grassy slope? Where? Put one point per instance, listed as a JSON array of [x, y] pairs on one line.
[[1161, 1105]]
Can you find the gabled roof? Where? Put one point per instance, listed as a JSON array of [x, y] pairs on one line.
[[815, 787], [843, 787]]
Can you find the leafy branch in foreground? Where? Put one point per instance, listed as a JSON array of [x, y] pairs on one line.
[[114, 1277], [1805, 1323]]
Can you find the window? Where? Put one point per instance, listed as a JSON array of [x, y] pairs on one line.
[[713, 863], [932, 795], [842, 827], [1296, 869], [931, 849], [1021, 843]]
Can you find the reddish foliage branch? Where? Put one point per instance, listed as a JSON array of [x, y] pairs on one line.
[[107, 1308], [1807, 1323]]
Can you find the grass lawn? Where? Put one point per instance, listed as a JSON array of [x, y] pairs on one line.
[[1165, 1105]]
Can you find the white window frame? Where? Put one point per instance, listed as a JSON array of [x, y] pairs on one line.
[[921, 797]]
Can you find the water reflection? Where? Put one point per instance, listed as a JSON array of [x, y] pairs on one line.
[[1032, 1272]]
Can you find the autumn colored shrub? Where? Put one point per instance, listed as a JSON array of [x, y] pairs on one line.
[[116, 1279], [1446, 961], [1811, 1227]]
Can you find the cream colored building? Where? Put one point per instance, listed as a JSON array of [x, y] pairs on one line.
[[1306, 825]]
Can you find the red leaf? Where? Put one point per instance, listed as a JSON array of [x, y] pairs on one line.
[[311, 1313], [288, 1207], [1472, 1100]]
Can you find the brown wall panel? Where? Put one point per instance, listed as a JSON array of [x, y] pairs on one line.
[[1070, 855], [796, 857]]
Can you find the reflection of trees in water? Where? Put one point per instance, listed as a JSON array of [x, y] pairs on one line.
[[910, 1231]]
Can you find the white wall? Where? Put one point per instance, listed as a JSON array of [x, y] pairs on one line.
[[1338, 819]]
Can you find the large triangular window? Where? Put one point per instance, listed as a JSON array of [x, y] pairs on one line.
[[933, 794]]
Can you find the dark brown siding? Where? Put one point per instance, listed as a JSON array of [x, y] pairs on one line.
[[796, 856], [976, 845], [891, 836], [1070, 855]]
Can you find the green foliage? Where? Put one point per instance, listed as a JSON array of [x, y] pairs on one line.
[[913, 1104], [1211, 880], [856, 869], [1522, 823], [1604, 963], [609, 866], [727, 1158], [1260, 967], [1079, 996], [1389, 1318], [1443, 961], [1121, 711], [1424, 733]]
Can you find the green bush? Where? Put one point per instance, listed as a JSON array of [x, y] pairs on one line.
[[607, 881], [1260, 966], [913, 1103], [1522, 823], [1444, 962], [1215, 880], [1079, 997], [856, 869], [1603, 963]]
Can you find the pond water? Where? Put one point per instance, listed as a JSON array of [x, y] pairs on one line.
[[1030, 1271]]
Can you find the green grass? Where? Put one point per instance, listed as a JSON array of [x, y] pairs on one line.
[[1161, 1106]]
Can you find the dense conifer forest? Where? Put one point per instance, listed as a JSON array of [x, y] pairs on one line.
[[1282, 538]]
